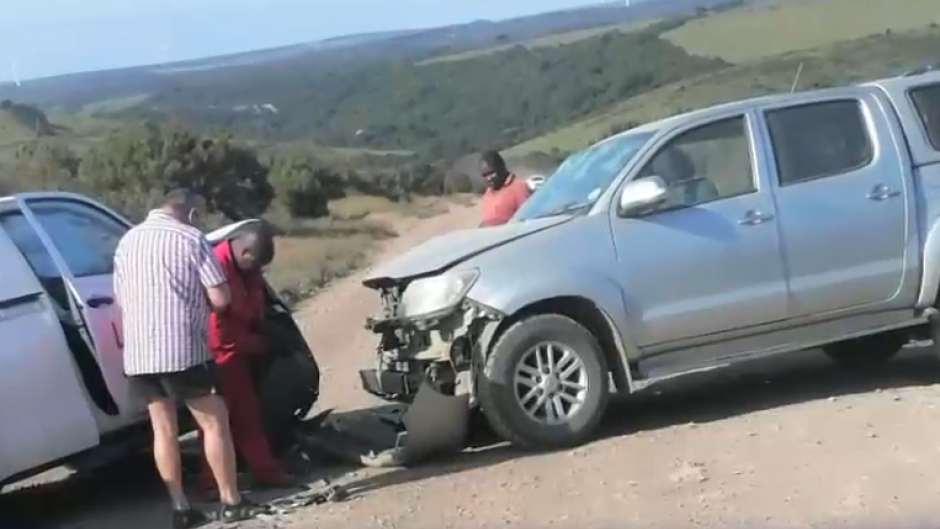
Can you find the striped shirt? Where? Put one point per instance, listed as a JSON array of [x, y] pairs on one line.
[[162, 268]]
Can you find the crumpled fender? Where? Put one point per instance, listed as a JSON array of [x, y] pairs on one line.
[[603, 292]]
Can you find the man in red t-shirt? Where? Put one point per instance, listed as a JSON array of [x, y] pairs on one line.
[[505, 191], [234, 338]]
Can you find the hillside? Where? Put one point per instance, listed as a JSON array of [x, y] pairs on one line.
[[547, 83], [442, 109], [837, 41], [77, 90]]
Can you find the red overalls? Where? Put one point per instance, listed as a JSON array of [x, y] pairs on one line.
[[233, 338]]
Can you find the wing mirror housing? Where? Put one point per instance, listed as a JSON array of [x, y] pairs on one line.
[[641, 195]]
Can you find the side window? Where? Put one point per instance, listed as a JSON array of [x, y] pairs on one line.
[[927, 103], [707, 163], [85, 237], [27, 241], [819, 140]]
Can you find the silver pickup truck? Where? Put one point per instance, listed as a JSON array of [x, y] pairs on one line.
[[743, 230]]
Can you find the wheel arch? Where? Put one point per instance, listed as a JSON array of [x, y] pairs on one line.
[[929, 294], [586, 313]]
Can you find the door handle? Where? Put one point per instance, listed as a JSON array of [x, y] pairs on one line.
[[882, 192], [99, 301], [754, 217]]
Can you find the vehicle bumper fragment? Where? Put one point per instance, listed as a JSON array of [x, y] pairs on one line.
[[398, 435]]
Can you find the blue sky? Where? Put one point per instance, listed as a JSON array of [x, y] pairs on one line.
[[50, 37]]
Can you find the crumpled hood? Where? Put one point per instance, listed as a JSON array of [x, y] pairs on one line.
[[444, 251]]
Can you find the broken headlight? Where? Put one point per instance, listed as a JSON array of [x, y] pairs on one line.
[[436, 295]]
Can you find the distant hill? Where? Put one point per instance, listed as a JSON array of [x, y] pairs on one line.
[[76, 90]]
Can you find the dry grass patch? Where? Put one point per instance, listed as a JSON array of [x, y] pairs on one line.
[[548, 41], [757, 31], [356, 207], [311, 254]]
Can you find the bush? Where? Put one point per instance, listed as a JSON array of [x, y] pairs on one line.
[[132, 168]]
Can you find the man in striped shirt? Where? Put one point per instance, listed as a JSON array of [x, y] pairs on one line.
[[167, 280]]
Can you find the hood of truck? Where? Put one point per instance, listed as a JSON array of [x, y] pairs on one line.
[[444, 251]]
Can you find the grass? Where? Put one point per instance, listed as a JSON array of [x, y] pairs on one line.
[[313, 253], [327, 153], [108, 106], [356, 207], [754, 32], [846, 62], [558, 39], [305, 264]]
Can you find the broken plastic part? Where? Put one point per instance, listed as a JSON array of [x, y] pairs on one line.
[[396, 436]]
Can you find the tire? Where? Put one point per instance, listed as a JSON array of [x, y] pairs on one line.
[[500, 396], [868, 352]]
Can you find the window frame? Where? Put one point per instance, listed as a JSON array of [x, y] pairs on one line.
[[746, 120], [82, 207], [60, 296], [863, 111], [933, 143]]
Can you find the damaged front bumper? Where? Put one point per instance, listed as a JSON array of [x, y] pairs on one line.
[[442, 351], [427, 368]]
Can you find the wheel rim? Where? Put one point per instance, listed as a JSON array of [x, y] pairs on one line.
[[551, 383]]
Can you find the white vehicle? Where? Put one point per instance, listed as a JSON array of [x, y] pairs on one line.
[[64, 398]]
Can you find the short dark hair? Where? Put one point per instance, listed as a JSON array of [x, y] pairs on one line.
[[259, 238], [494, 160], [182, 198]]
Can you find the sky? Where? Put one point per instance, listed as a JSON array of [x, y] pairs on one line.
[[39, 38]]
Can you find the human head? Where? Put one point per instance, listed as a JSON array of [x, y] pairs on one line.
[[674, 166], [493, 169], [253, 248], [184, 205]]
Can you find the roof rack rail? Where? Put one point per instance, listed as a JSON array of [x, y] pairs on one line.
[[922, 70]]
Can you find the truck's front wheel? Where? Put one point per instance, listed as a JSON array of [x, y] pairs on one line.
[[545, 384], [866, 352]]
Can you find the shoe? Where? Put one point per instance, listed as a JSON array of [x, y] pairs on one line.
[[189, 518], [243, 510]]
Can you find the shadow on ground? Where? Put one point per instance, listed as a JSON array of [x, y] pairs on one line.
[[756, 386], [750, 387]]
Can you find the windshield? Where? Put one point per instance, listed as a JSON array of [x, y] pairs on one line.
[[582, 178]]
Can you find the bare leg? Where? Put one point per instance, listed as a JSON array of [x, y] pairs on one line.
[[166, 449], [212, 416]]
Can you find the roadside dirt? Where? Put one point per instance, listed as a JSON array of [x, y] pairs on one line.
[[790, 442]]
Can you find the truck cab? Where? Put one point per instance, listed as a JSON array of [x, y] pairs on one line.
[[63, 394]]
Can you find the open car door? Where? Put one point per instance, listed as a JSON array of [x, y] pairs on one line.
[[80, 236], [45, 411], [288, 377]]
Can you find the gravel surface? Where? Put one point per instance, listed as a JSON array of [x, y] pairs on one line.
[[788, 442]]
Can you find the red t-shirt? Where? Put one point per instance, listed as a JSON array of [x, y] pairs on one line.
[[499, 205], [236, 333]]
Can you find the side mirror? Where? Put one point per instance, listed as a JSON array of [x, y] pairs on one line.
[[642, 194]]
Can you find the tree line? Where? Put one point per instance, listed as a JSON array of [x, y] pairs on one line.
[[133, 167]]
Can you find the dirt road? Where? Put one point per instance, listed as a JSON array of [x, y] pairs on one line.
[[792, 442]]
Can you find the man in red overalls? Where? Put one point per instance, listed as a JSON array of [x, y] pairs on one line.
[[234, 338]]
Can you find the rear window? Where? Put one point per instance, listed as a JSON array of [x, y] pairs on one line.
[[927, 103], [818, 140]]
